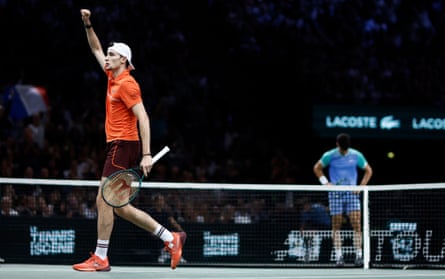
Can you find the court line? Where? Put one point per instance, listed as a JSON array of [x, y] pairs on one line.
[[19, 271]]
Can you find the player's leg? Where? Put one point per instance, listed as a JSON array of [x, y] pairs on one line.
[[336, 211], [337, 221], [119, 155], [105, 221], [173, 241], [105, 217], [354, 213], [355, 218]]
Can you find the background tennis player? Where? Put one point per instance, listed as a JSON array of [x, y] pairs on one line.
[[343, 162]]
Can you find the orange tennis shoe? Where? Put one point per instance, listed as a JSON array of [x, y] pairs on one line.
[[175, 248], [94, 263]]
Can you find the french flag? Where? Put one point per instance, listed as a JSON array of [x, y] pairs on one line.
[[25, 100]]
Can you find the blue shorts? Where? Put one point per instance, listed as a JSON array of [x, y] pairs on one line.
[[343, 202]]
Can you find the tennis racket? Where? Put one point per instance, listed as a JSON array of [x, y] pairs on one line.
[[122, 187]]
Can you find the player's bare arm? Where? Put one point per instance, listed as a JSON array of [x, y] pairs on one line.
[[93, 40], [366, 175], [318, 171], [144, 130]]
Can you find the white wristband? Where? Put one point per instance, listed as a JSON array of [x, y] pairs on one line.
[[323, 180]]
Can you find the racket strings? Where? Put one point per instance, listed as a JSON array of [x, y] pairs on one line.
[[119, 189]]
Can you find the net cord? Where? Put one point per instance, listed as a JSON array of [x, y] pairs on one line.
[[228, 186]]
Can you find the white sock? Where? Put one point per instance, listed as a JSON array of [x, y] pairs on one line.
[[163, 234], [338, 253], [358, 253], [102, 248]]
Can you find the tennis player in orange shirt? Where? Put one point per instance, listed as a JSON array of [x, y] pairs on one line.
[[125, 113]]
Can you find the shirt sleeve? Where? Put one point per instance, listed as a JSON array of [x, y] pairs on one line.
[[361, 160], [131, 94], [326, 157]]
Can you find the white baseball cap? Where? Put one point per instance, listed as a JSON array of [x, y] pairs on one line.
[[123, 50]]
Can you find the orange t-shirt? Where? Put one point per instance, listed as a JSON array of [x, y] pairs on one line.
[[123, 93]]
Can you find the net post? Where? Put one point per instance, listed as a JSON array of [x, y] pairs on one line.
[[366, 234]]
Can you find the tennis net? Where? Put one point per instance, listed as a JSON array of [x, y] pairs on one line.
[[227, 224]]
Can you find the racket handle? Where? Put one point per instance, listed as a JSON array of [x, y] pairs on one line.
[[160, 154]]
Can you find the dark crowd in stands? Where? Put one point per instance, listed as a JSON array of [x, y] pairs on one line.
[[225, 82]]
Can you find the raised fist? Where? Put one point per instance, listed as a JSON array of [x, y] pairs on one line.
[[85, 13]]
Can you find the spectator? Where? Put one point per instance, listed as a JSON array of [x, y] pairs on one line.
[[55, 202], [44, 209], [314, 216], [7, 208], [73, 208], [89, 209]]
